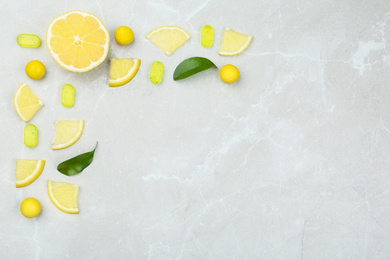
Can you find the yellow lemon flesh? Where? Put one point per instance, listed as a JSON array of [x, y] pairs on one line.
[[64, 196], [78, 41], [122, 71], [233, 42], [168, 38], [26, 103], [27, 171], [35, 69], [30, 207], [124, 35], [229, 73], [67, 132]]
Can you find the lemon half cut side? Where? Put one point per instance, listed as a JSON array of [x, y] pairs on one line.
[[77, 40]]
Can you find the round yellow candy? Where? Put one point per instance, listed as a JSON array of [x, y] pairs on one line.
[[35, 69], [229, 73], [124, 35], [30, 207]]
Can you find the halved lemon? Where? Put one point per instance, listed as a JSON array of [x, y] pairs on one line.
[[64, 196], [233, 42], [67, 132], [168, 38], [77, 40], [27, 171], [26, 103], [122, 71]]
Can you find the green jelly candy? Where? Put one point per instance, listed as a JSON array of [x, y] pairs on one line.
[[156, 72], [207, 36], [67, 95], [28, 40], [30, 135]]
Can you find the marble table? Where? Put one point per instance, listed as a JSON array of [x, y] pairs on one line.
[[290, 162]]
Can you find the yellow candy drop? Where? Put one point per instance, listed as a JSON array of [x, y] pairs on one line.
[[156, 72], [207, 36], [28, 40], [67, 95], [30, 135]]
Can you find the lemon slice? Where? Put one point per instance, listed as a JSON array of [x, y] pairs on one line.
[[26, 103], [168, 38], [77, 40], [67, 133], [64, 196], [122, 71], [27, 171], [233, 42]]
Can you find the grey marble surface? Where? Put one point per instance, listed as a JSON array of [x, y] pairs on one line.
[[290, 162]]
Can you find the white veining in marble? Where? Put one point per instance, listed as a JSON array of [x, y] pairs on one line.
[[291, 162]]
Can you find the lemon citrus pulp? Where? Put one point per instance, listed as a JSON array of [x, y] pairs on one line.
[[27, 171], [168, 38], [64, 196], [122, 71], [67, 132], [77, 40], [233, 42], [30, 207], [26, 103]]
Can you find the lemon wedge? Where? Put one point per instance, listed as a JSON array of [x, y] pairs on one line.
[[233, 42], [64, 196], [122, 71], [168, 38], [26, 103], [67, 132], [77, 40], [27, 171]]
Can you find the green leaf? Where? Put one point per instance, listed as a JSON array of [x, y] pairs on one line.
[[192, 66], [76, 164]]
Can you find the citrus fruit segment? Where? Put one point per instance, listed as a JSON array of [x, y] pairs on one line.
[[77, 40], [67, 132], [27, 171], [122, 71], [64, 196], [26, 103], [168, 38], [233, 42]]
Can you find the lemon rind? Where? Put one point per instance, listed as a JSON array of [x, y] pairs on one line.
[[40, 103], [129, 76], [240, 50], [57, 204], [188, 36], [33, 176], [72, 141]]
